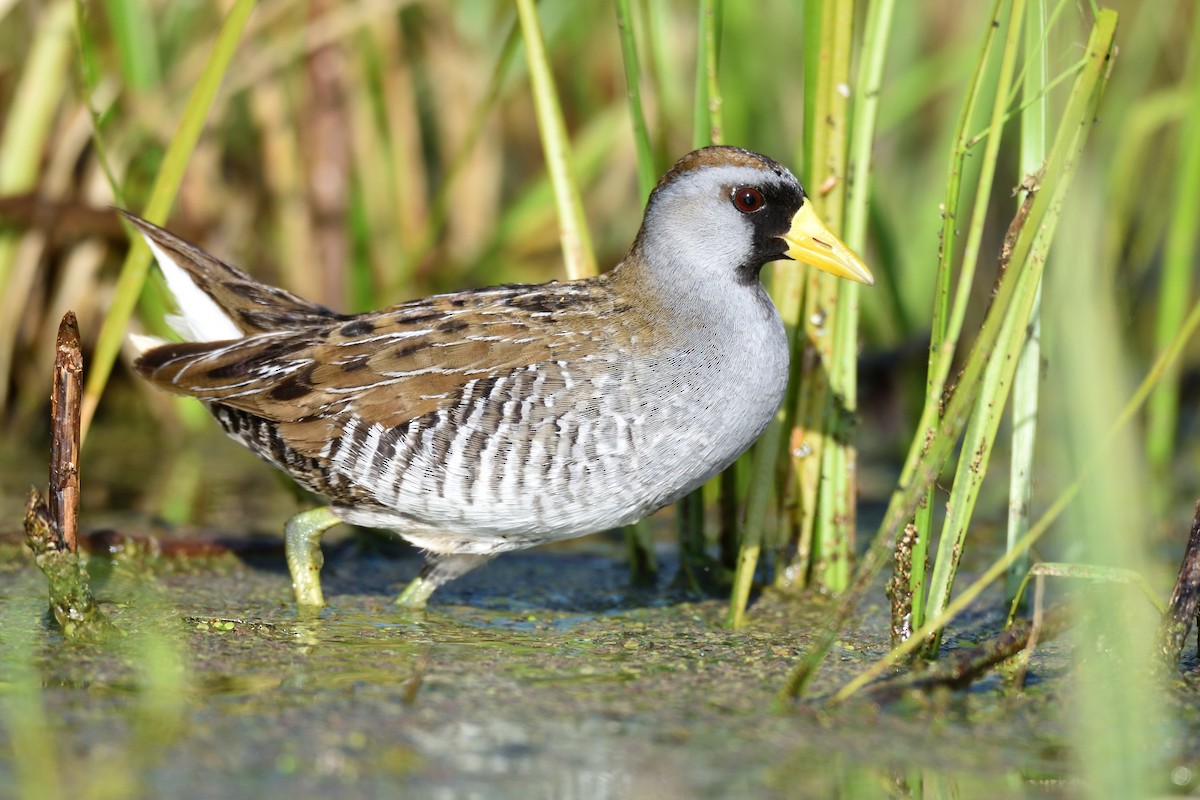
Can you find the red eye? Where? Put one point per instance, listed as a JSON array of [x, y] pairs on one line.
[[747, 199]]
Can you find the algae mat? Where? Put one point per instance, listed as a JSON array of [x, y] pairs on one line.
[[542, 675]]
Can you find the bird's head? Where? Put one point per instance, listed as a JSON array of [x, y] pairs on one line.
[[730, 211]]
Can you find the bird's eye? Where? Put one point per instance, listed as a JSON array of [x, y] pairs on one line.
[[747, 199]]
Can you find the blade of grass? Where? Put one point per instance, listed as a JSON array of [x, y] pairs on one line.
[[934, 442], [1162, 364], [812, 348], [1179, 259], [867, 92], [977, 444], [706, 119], [980, 432], [573, 231], [170, 175], [1025, 384], [706, 130], [834, 519], [639, 541], [943, 336], [647, 172], [137, 46]]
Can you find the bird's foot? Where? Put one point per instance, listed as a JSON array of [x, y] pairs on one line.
[[302, 538]]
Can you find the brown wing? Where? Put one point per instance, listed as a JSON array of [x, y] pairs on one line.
[[388, 366]]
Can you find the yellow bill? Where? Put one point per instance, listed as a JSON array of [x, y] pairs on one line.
[[810, 242]]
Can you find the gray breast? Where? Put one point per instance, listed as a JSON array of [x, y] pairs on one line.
[[561, 449]]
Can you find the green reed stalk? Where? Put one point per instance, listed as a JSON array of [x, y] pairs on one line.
[[1028, 374], [28, 121], [166, 184], [647, 170], [811, 349], [639, 541], [969, 594], [985, 417], [706, 115], [578, 254], [662, 72], [1163, 364], [706, 130], [943, 336], [1179, 258], [1116, 636], [788, 291], [137, 46], [867, 91], [830, 323], [934, 441]]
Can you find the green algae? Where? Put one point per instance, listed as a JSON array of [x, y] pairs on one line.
[[541, 674]]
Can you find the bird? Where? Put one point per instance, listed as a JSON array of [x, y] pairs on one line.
[[494, 419]]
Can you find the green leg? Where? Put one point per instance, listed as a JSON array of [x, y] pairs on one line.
[[416, 594], [302, 537], [439, 568]]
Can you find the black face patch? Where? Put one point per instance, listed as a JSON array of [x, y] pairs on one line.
[[770, 223]]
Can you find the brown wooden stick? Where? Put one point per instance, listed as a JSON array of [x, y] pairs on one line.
[[1181, 610], [65, 402], [51, 529]]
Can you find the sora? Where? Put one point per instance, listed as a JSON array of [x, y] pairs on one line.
[[497, 419]]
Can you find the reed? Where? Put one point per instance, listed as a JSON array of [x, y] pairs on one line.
[[942, 424], [1026, 380]]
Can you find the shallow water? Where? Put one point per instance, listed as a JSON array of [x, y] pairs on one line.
[[541, 675]]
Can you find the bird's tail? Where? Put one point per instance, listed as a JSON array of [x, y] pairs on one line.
[[217, 301]]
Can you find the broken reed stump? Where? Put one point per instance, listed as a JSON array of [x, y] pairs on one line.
[[899, 588], [65, 405], [1181, 609], [51, 529]]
